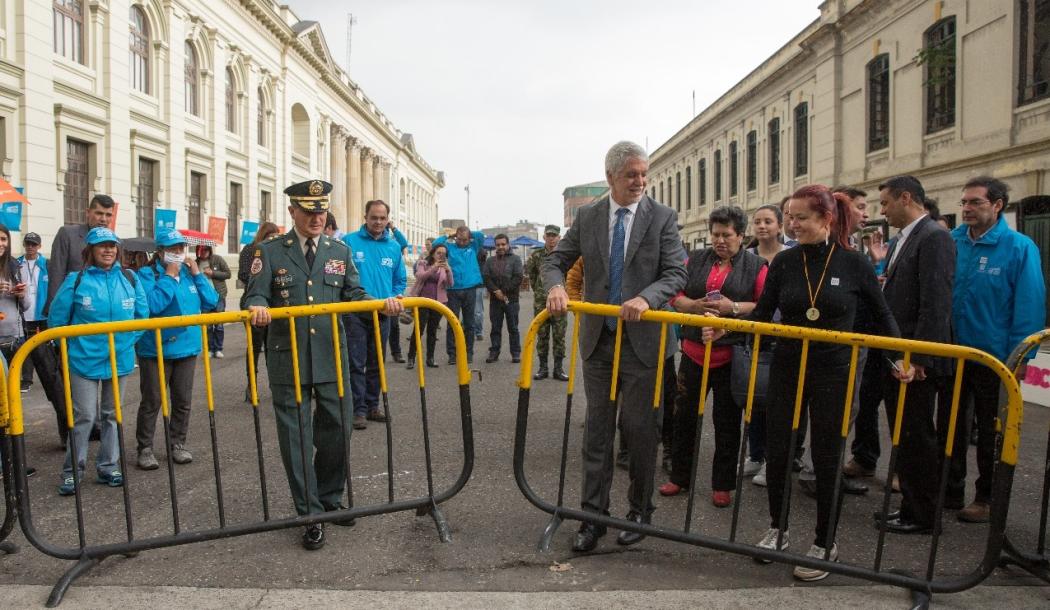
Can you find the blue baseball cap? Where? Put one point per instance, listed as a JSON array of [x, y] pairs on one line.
[[101, 235], [169, 237]]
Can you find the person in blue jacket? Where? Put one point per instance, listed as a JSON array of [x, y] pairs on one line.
[[377, 256], [101, 292], [174, 286], [463, 258], [999, 299]]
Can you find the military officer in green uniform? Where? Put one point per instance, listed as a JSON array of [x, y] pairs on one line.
[[554, 327], [305, 267]]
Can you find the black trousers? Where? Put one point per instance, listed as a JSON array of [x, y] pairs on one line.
[[980, 396], [428, 328], [45, 361], [726, 415], [866, 448], [178, 375], [823, 396], [917, 456]]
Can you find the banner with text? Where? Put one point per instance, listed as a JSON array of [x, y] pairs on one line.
[[217, 229], [164, 219], [248, 230], [11, 215]]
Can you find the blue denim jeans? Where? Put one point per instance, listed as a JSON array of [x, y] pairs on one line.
[[364, 359], [86, 395], [479, 312], [461, 302]]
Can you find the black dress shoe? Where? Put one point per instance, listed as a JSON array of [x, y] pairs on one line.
[[854, 487], [628, 538], [492, 358], [541, 374], [431, 364], [894, 514], [515, 359], [347, 522], [313, 537], [901, 526], [587, 537]]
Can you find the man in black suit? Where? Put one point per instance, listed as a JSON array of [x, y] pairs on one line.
[[634, 258], [69, 244], [918, 289]]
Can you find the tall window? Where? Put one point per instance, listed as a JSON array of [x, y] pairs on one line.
[[718, 175], [701, 170], [75, 195], [801, 139], [879, 102], [774, 150], [752, 160], [260, 118], [939, 55], [662, 191], [138, 50], [669, 192], [688, 187], [68, 16], [233, 217], [194, 204], [265, 207], [678, 192], [1033, 81], [147, 199], [231, 107], [192, 77], [734, 167]]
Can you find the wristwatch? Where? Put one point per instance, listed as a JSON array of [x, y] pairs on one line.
[[736, 308]]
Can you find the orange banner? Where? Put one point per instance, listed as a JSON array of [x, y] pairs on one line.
[[217, 228], [113, 219], [9, 194]]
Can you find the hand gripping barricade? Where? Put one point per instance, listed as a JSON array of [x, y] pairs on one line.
[[1036, 563], [921, 587], [89, 555]]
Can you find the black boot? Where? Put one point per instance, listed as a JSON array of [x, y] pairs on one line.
[[543, 372], [559, 374]]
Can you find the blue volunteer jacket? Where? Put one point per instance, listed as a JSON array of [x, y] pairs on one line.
[[101, 296], [41, 289], [379, 262], [999, 296], [191, 294], [464, 260]]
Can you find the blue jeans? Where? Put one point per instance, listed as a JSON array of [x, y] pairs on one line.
[[364, 359], [498, 310], [479, 312], [461, 302], [85, 394]]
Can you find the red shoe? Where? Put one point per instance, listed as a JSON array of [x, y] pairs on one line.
[[721, 499], [670, 489]]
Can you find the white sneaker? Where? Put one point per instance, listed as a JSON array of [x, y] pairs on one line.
[[769, 541], [813, 574], [751, 467], [760, 478], [219, 355]]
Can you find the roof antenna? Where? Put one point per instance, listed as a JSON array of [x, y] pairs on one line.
[[350, 21]]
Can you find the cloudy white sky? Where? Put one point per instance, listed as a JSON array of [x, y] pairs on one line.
[[520, 100]]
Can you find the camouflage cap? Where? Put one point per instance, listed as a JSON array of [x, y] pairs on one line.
[[552, 230]]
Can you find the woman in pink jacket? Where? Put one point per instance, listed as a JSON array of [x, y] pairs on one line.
[[433, 277]]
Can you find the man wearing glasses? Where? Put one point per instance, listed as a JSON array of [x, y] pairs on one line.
[[999, 299]]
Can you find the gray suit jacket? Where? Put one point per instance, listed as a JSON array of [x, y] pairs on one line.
[[654, 269], [65, 257]]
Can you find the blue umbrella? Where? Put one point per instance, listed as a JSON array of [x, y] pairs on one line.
[[490, 244], [526, 241]]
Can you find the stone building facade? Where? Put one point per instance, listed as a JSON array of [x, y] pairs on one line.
[[941, 89], [206, 108], [575, 197]]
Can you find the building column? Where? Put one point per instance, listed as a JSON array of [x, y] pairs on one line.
[[338, 173], [367, 176], [377, 177], [386, 183], [354, 205]]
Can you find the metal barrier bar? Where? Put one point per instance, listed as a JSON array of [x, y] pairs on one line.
[[381, 365], [119, 417], [752, 378], [698, 432], [89, 555], [344, 426], [1007, 456], [6, 455], [209, 394], [71, 440], [254, 395]]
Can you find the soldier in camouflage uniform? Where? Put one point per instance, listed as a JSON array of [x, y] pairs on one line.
[[554, 326]]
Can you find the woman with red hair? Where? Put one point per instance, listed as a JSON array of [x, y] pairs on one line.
[[817, 284]]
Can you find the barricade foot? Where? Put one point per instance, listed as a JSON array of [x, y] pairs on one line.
[[920, 600], [548, 533], [1036, 565], [8, 548], [444, 533], [82, 566]]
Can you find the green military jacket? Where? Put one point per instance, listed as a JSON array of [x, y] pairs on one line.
[[533, 269], [280, 277]]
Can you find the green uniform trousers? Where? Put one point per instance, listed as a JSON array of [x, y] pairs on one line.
[[552, 329]]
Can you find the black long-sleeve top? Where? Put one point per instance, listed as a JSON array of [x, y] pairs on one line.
[[850, 281]]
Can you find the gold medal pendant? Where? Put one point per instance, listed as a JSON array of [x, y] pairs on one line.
[[812, 313]]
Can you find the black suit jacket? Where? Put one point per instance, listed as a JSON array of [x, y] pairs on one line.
[[918, 289]]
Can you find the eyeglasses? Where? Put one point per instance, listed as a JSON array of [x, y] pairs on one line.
[[973, 202]]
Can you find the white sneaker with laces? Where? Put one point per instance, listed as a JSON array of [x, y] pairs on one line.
[[814, 574], [769, 541], [219, 355], [760, 478], [751, 467]]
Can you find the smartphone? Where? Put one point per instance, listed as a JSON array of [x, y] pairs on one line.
[[892, 364], [714, 295]]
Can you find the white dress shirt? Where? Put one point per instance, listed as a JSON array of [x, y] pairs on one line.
[[628, 222], [901, 238]]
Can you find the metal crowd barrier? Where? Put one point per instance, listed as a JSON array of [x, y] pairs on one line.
[[921, 587], [10, 505], [89, 555], [1037, 562]]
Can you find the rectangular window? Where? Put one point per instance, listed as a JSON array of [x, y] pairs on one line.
[[879, 102], [68, 18], [939, 55], [1033, 82], [774, 151], [678, 192], [233, 217], [670, 193], [752, 160], [265, 211], [801, 139], [718, 175], [702, 180], [78, 182], [688, 187], [147, 200], [734, 167], [193, 206], [662, 192]]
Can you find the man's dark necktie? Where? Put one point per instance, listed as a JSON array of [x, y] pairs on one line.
[[310, 254], [616, 264]]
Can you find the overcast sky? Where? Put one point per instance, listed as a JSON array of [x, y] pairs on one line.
[[520, 100]]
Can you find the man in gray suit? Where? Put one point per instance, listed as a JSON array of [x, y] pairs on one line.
[[634, 258]]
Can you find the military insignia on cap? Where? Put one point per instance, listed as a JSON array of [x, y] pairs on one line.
[[316, 188]]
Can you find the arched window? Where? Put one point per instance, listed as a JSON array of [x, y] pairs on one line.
[[138, 50], [231, 104], [879, 102], [192, 77], [68, 16], [260, 118], [939, 56], [300, 131]]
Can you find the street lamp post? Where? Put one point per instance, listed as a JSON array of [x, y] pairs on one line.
[[467, 189]]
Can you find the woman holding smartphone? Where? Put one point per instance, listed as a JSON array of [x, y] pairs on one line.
[[12, 289], [433, 278]]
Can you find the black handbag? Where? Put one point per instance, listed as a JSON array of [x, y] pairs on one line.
[[740, 375]]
